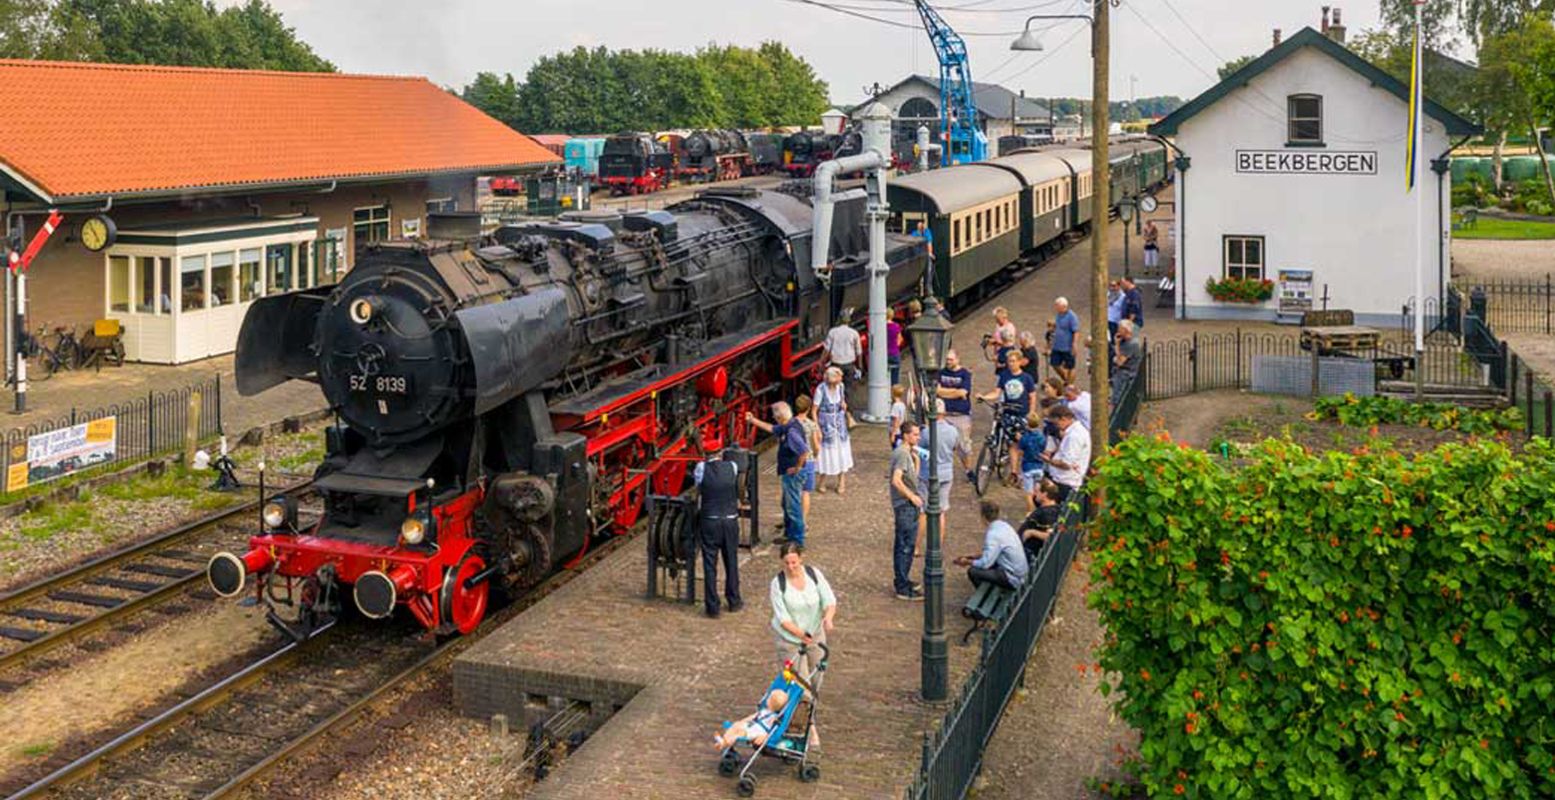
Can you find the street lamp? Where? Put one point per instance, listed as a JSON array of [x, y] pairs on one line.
[[930, 340], [1100, 183]]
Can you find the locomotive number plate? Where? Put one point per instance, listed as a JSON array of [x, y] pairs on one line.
[[381, 384]]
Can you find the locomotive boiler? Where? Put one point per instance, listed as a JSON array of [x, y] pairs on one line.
[[502, 399], [715, 155]]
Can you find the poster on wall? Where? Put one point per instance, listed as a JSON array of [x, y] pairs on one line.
[[62, 451], [1295, 292], [410, 228]]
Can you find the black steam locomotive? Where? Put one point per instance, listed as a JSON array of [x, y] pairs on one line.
[[504, 399], [714, 155], [635, 163]]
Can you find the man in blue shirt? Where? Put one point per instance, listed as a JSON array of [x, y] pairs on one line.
[[1066, 325], [1133, 303], [1003, 560], [791, 456], [955, 388]]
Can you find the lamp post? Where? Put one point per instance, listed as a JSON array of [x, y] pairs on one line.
[[1100, 184], [930, 339]]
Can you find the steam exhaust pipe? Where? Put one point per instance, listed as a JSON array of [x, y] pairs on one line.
[[377, 593], [227, 573]]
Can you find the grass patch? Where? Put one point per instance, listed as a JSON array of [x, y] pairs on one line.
[[307, 458], [1497, 228], [37, 749], [43, 524]]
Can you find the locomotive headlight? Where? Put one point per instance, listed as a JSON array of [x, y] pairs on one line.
[[413, 530], [361, 310], [274, 515]]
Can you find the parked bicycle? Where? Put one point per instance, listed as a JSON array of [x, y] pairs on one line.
[[994, 459], [63, 354]]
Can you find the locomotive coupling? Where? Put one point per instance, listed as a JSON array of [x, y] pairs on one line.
[[227, 573], [377, 592]]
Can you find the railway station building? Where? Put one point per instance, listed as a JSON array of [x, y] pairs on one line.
[[1292, 170], [209, 188], [915, 101]]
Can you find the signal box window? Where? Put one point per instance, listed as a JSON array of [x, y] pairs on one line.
[[1244, 257], [1305, 112]]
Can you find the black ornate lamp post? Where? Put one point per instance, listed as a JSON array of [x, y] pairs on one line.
[[930, 339]]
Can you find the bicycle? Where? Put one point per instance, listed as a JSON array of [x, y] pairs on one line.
[[65, 354], [994, 458]]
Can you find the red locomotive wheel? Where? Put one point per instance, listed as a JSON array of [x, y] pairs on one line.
[[465, 607]]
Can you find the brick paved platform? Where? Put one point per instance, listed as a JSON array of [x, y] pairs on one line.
[[676, 675]]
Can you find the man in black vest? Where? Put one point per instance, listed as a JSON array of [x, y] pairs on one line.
[[718, 522]]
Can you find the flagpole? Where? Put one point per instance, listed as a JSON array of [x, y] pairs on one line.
[[1417, 101]]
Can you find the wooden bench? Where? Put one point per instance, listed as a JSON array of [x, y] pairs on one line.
[[1166, 292], [990, 604]]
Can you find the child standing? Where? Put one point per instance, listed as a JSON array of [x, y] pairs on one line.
[[898, 413], [1033, 442]]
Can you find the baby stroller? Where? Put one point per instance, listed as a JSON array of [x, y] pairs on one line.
[[780, 744]]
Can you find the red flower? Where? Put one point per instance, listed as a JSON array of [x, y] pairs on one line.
[[1178, 789]]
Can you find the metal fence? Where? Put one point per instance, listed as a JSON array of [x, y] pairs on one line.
[[1515, 305], [144, 426], [1207, 361], [953, 755]]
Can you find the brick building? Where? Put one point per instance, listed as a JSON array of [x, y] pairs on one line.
[[223, 186]]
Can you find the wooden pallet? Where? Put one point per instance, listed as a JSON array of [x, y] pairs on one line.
[[1353, 338]]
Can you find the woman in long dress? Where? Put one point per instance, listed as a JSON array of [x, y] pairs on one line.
[[831, 410]]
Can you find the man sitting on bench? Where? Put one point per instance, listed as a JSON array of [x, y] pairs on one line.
[[1003, 561]]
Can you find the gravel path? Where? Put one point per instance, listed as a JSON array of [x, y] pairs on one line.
[[1495, 258]]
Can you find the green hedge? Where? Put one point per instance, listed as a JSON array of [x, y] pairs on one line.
[[1332, 624], [1352, 410]]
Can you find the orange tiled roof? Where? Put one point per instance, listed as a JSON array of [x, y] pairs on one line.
[[78, 129]]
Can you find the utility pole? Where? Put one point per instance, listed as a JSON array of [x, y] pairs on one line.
[[1100, 178]]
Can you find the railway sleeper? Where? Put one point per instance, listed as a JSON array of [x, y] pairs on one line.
[[22, 634], [125, 583], [45, 615], [88, 599], [162, 569]]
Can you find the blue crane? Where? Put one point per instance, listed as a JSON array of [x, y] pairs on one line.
[[958, 115]]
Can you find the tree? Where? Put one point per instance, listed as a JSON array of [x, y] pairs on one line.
[[1233, 65], [1483, 19], [498, 97], [1518, 84], [176, 32]]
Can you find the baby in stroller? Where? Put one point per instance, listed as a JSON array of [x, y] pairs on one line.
[[756, 727]]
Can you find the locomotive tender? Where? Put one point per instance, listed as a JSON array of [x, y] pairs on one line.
[[501, 401]]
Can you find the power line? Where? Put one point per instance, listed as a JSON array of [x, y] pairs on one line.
[[855, 11]]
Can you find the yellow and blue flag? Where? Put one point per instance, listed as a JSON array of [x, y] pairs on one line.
[[1416, 102]]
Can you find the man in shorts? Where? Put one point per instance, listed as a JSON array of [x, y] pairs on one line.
[[955, 389], [1066, 326]]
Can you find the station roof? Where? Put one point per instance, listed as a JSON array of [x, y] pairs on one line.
[[77, 132], [992, 100], [1307, 37]]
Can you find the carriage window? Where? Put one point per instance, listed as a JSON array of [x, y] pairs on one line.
[[1305, 115], [1244, 257]]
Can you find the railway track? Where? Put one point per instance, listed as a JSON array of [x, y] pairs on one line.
[[236, 731], [94, 596]]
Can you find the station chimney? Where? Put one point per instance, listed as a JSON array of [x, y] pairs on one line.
[[1336, 28], [1276, 37], [1324, 29]]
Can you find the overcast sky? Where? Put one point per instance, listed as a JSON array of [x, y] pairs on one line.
[[450, 40]]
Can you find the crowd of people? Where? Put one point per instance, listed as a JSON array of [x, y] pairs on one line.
[[1046, 419]]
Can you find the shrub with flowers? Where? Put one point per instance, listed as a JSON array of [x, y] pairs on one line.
[[1334, 624], [1363, 411], [1240, 290]]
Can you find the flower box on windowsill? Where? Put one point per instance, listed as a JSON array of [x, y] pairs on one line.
[[1240, 290]]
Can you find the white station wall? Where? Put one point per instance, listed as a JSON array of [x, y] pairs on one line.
[[1353, 231]]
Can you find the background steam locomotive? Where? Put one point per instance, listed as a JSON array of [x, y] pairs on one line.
[[503, 400]]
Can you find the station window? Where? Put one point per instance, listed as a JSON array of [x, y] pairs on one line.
[[250, 284], [221, 278], [119, 280], [191, 274], [278, 277], [1244, 257], [1305, 114], [369, 225]]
